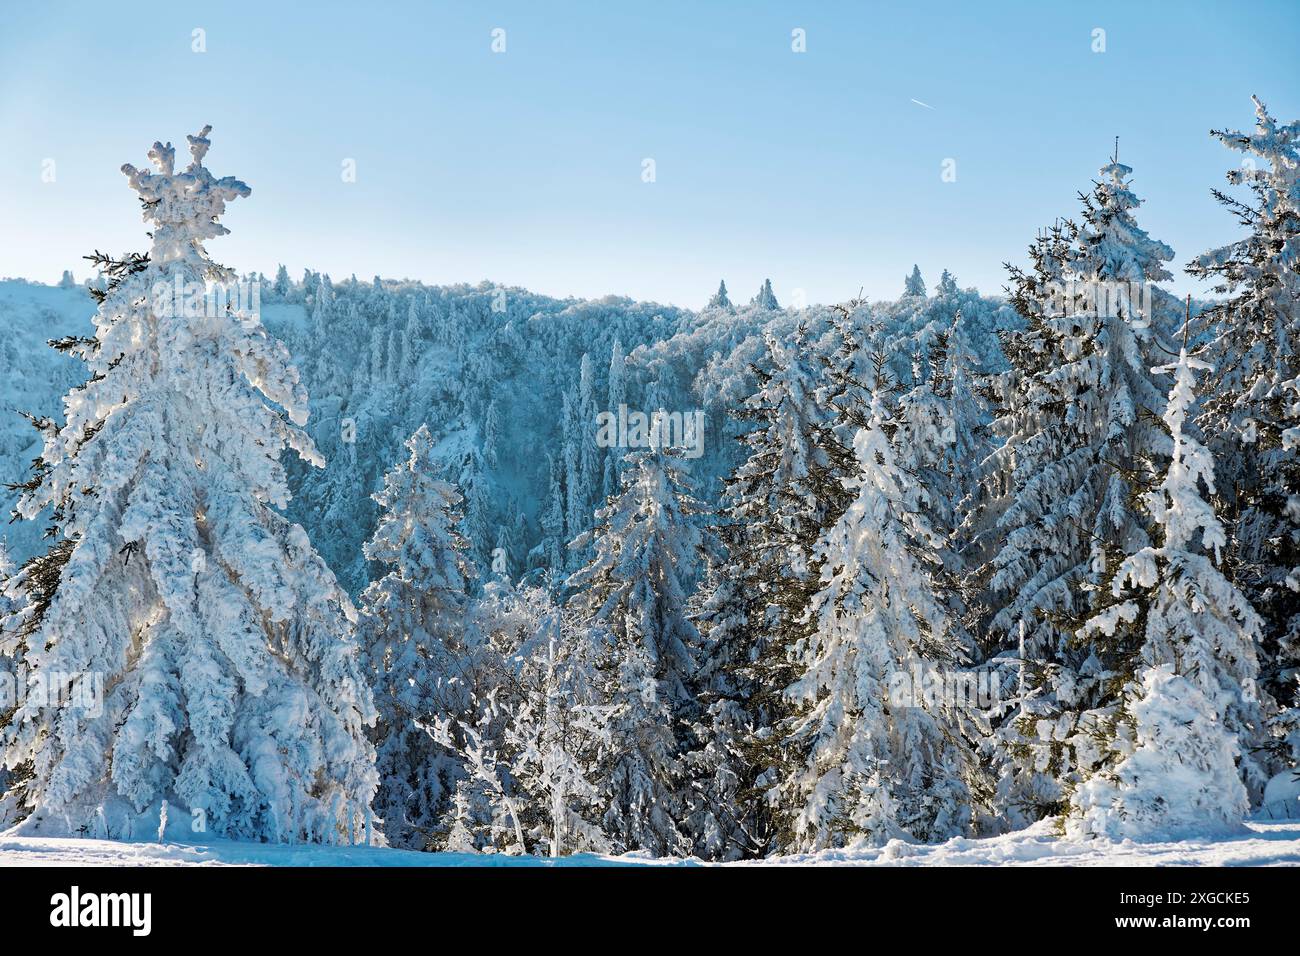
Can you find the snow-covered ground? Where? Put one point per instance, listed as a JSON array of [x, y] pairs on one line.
[[1267, 844]]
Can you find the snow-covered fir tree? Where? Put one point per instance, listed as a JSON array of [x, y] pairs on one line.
[[873, 763], [960, 380], [1252, 404], [1175, 749], [765, 298], [1080, 420], [775, 507], [632, 597], [416, 642], [947, 285], [720, 299], [283, 284], [231, 685], [552, 520], [914, 284], [939, 432], [926, 438]]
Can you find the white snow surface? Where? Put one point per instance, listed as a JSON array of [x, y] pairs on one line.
[[1266, 844]]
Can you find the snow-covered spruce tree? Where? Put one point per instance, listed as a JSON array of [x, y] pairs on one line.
[[1175, 749], [415, 648], [961, 382], [1252, 404], [947, 285], [283, 284], [1082, 430], [231, 682], [914, 284], [938, 434], [874, 764], [765, 298], [926, 438], [632, 597], [720, 299], [775, 506]]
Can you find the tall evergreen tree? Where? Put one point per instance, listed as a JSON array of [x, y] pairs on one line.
[[765, 298], [231, 684], [720, 299], [12, 669], [1252, 404], [590, 463], [869, 764], [1170, 749], [416, 649], [947, 286], [1082, 432], [633, 597], [914, 284], [283, 284], [617, 395], [775, 506]]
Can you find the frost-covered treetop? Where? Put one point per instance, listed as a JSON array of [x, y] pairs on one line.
[[720, 298], [1280, 145], [184, 207], [140, 356], [224, 638], [416, 532], [765, 298], [1119, 248]]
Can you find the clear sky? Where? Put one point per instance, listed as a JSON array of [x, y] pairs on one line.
[[818, 169]]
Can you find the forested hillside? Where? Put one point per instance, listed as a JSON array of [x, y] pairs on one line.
[[473, 569]]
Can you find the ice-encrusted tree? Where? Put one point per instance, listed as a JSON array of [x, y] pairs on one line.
[[720, 299], [926, 437], [414, 640], [765, 298], [947, 285], [959, 379], [775, 506], [873, 763], [1081, 425], [1176, 779], [914, 284], [633, 598], [283, 284], [536, 744], [1175, 750], [229, 667], [1252, 403]]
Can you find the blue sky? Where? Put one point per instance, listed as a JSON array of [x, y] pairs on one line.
[[817, 169]]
